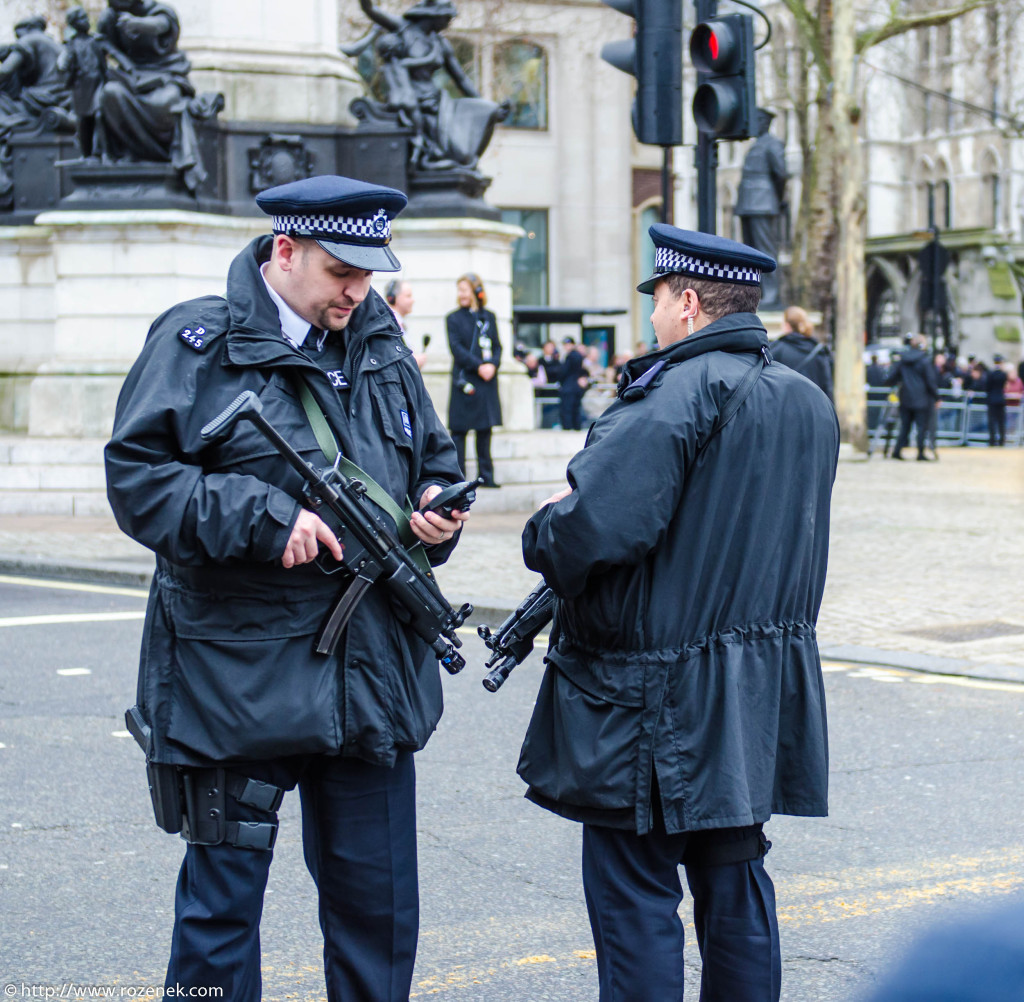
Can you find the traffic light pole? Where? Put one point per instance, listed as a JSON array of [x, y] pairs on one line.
[[707, 149]]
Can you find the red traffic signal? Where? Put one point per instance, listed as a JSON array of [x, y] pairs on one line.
[[722, 52]]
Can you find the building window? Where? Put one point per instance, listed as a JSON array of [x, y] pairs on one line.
[[529, 256], [521, 78], [645, 219], [943, 205], [991, 192]]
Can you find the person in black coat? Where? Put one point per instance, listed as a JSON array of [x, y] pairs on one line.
[[995, 401], [473, 404], [914, 373], [236, 705], [682, 702], [572, 385], [802, 351]]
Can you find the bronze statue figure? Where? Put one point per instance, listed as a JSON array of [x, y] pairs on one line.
[[762, 199], [83, 64], [146, 107], [447, 132]]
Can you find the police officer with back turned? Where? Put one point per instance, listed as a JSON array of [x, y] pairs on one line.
[[682, 703], [233, 698]]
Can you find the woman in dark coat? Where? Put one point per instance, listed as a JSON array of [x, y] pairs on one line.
[[476, 355], [801, 351]]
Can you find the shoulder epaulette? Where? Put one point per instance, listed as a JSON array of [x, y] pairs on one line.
[[200, 321]]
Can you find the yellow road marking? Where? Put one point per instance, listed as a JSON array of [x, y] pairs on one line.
[[877, 673], [73, 586], [71, 617]]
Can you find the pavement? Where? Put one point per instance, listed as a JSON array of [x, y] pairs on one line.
[[926, 567]]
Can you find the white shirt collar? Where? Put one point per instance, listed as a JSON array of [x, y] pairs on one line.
[[293, 328]]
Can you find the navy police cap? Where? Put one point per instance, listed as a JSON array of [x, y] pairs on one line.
[[349, 219], [703, 255]]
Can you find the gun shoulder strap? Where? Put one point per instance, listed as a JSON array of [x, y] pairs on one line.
[[818, 348], [742, 391], [380, 497]]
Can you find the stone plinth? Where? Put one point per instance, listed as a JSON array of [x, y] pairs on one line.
[[434, 253], [93, 283], [79, 290]]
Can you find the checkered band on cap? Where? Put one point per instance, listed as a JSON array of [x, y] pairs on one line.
[[375, 230], [668, 260]]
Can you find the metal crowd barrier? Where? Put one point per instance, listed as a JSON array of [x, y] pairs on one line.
[[960, 419]]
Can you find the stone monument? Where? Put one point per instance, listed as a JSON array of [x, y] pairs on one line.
[[448, 134], [761, 200]]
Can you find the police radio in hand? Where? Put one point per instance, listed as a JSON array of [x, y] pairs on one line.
[[455, 498]]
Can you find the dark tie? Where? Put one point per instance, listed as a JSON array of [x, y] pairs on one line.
[[312, 342]]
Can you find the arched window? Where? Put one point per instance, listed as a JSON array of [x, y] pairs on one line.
[[943, 196], [923, 193], [521, 78], [991, 208]]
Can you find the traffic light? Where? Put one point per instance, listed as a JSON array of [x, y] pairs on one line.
[[725, 102], [655, 57]]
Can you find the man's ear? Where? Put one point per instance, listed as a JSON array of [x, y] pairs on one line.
[[286, 251], [689, 304]]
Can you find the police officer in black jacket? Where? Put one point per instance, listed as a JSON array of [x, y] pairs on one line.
[[682, 704], [915, 375], [234, 695]]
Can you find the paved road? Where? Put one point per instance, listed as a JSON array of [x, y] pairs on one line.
[[924, 826]]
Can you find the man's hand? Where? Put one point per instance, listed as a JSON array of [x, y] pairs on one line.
[[556, 497], [486, 371], [431, 527], [303, 544]]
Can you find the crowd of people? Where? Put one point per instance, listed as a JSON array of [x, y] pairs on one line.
[[921, 379]]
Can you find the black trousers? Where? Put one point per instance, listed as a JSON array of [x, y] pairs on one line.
[[359, 842], [484, 463], [918, 416], [570, 411], [997, 424], [633, 894]]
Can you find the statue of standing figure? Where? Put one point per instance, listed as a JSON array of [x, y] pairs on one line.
[[447, 132], [83, 64], [761, 200]]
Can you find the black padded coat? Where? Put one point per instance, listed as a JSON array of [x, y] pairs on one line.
[[228, 668], [690, 565], [473, 339]]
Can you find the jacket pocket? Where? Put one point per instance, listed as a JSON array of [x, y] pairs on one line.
[[396, 423], [584, 742], [246, 682]]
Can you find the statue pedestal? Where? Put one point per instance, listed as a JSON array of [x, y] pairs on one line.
[[114, 186], [38, 183], [80, 290], [449, 193]]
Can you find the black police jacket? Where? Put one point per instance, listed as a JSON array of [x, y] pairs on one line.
[[471, 337], [798, 352], [689, 566], [228, 668], [915, 374]]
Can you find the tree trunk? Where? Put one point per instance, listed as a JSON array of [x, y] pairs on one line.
[[851, 402]]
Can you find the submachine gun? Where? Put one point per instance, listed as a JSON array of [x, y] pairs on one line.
[[372, 550], [512, 642]]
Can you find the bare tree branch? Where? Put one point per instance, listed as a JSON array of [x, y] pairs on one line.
[[897, 25], [809, 29]]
